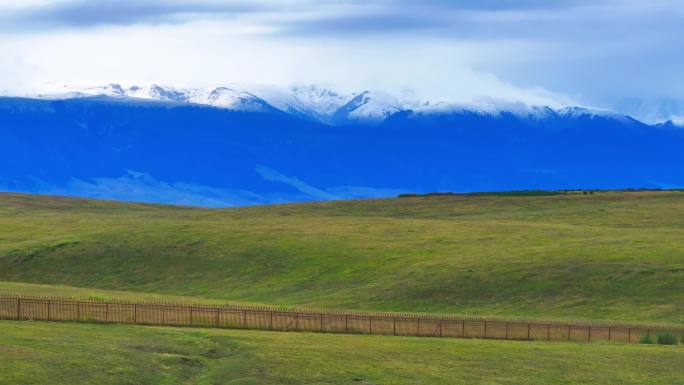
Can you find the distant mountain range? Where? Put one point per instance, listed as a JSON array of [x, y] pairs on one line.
[[314, 103], [230, 145], [308, 102]]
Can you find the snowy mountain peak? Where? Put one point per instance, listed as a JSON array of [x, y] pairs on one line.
[[321, 101], [114, 90], [593, 113], [369, 106], [165, 94], [321, 104], [229, 98]]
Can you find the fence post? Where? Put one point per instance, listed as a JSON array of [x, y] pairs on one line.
[[462, 328], [609, 333], [270, 322], [18, 308], [78, 310], [485, 329], [321, 322], [394, 326], [346, 324], [548, 332], [629, 335], [135, 313], [507, 330], [529, 336], [418, 327], [218, 316], [569, 332], [370, 325], [440, 329], [107, 312], [49, 317], [589, 333], [192, 316]]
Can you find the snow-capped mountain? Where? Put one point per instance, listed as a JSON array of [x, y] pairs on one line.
[[261, 144], [231, 99], [319, 104], [370, 106], [311, 102]]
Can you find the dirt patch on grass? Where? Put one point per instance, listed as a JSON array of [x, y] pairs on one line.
[[16, 352]]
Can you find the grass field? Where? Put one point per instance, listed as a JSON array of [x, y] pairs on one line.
[[608, 255], [53, 353], [71, 292]]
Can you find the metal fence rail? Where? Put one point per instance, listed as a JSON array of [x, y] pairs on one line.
[[235, 317]]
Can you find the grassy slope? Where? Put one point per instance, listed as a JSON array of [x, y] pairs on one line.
[[34, 289], [42, 353], [603, 256]]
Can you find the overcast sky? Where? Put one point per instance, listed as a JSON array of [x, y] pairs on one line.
[[567, 51]]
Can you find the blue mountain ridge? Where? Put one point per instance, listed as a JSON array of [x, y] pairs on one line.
[[182, 153]]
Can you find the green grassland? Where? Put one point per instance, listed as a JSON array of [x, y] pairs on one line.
[[606, 255], [70, 353], [69, 292]]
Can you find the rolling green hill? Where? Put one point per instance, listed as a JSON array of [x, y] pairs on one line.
[[64, 354], [607, 255]]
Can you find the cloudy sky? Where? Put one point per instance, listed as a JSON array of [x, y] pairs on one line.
[[592, 52]]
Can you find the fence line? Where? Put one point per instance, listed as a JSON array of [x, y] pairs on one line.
[[322, 321]]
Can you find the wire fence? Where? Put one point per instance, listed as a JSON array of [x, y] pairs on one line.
[[264, 318]]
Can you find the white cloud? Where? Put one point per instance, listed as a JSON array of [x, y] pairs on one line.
[[592, 51], [211, 53]]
